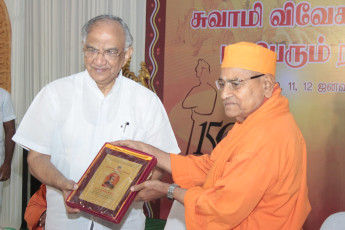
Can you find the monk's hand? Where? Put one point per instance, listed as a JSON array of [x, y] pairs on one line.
[[67, 186], [150, 190], [137, 145]]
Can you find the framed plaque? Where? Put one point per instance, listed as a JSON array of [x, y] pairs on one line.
[[104, 189]]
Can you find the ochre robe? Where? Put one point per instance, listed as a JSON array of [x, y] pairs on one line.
[[35, 208], [255, 178]]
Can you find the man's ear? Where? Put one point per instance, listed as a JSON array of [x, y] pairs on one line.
[[128, 55], [269, 82]]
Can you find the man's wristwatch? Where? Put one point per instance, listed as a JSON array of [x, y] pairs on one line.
[[171, 190]]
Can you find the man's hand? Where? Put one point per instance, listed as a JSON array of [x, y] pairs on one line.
[[67, 186], [5, 172], [155, 189], [41, 167], [5, 169], [150, 190]]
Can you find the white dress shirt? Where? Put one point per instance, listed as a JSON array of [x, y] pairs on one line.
[[70, 120]]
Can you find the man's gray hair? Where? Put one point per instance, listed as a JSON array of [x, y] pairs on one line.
[[91, 22]]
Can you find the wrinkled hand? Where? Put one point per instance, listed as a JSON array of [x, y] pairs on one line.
[[150, 190], [5, 172], [137, 145], [67, 186]]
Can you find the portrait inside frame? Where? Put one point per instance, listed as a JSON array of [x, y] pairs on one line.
[[104, 188]]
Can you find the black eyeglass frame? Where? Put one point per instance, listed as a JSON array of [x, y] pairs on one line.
[[236, 81]]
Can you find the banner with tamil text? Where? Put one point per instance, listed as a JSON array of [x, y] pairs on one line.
[[185, 44]]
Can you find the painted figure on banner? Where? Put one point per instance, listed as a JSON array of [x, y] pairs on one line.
[[206, 129], [201, 100]]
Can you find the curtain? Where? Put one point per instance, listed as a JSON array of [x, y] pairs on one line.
[[46, 45]]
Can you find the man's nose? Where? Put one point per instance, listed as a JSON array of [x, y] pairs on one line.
[[226, 92], [100, 59]]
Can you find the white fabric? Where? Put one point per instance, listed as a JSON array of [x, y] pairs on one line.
[[70, 119], [6, 114], [176, 218], [335, 221]]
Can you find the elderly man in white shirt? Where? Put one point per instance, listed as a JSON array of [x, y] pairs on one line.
[[71, 118]]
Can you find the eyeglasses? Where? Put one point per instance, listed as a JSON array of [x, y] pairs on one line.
[[110, 54], [234, 84]]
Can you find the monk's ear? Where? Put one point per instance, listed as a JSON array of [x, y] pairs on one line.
[[269, 81]]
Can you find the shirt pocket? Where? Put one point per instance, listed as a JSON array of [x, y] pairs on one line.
[[132, 131]]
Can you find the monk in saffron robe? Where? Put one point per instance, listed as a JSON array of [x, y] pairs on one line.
[[255, 178], [36, 209]]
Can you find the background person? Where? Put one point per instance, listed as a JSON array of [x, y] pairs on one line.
[[7, 131], [35, 212]]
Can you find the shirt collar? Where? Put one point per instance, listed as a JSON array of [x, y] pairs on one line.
[[94, 86]]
